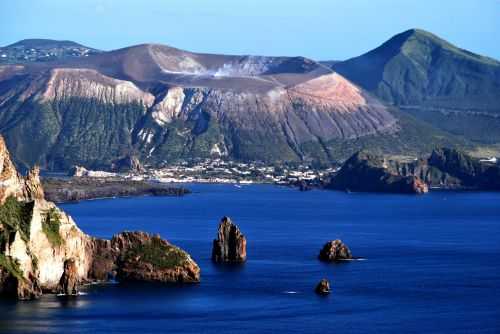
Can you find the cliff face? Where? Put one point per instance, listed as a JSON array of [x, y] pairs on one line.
[[453, 169], [37, 240], [444, 168], [370, 173], [36, 237]]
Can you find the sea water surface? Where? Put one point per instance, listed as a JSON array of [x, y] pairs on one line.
[[432, 264]]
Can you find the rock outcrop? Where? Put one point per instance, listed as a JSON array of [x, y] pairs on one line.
[[230, 245], [127, 164], [445, 168], [323, 287], [366, 172], [335, 250], [42, 249], [68, 284], [142, 257]]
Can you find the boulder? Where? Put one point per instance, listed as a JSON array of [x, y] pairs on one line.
[[68, 284], [334, 250], [230, 245], [323, 287]]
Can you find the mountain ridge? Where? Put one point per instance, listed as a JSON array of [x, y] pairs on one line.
[[166, 104]]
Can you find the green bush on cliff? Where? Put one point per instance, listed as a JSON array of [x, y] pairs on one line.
[[15, 216], [159, 254], [11, 266], [50, 227]]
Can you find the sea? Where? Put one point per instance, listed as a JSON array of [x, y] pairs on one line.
[[425, 264]]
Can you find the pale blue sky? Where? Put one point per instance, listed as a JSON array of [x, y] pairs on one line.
[[320, 29]]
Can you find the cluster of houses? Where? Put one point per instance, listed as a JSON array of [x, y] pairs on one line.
[[22, 54], [219, 171]]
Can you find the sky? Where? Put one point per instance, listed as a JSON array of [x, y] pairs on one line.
[[319, 29]]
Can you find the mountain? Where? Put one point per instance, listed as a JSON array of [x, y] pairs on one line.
[[36, 50], [164, 104], [450, 88]]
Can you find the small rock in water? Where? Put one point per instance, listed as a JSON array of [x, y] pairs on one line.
[[335, 250], [68, 284], [323, 287], [230, 245]]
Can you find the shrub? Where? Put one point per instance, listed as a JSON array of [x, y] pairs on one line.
[[159, 254], [50, 226], [15, 216]]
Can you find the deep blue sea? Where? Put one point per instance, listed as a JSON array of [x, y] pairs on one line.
[[431, 264]]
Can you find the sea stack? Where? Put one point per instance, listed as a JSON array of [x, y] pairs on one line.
[[68, 283], [335, 250], [323, 287], [230, 245]]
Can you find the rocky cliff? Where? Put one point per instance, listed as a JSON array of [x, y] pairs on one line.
[[368, 172], [445, 168], [43, 250], [452, 169]]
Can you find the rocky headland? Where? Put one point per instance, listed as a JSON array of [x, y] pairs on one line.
[[367, 172], [445, 168], [230, 245], [76, 188], [43, 250]]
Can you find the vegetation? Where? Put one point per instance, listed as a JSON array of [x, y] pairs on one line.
[[82, 188], [159, 254], [50, 226], [15, 216], [11, 266], [447, 87]]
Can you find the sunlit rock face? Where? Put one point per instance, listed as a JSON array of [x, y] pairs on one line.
[[43, 250], [230, 245]]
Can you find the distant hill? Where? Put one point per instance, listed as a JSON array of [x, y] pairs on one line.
[[451, 88], [39, 50]]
